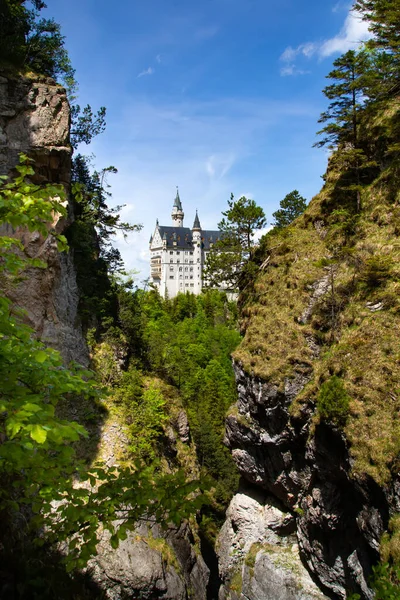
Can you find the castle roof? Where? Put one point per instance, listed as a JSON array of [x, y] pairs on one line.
[[177, 202], [196, 224], [184, 238]]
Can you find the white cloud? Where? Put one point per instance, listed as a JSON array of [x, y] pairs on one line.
[[353, 32], [217, 166], [148, 71], [158, 58], [260, 232]]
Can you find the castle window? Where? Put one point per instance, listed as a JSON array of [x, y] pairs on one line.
[[191, 277], [190, 262], [178, 261], [171, 251], [178, 253], [171, 276], [198, 260], [171, 260], [190, 252], [192, 285], [191, 268], [171, 268], [186, 268], [186, 277], [180, 268]]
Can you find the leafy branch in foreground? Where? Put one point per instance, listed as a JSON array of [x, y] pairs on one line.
[[38, 465]]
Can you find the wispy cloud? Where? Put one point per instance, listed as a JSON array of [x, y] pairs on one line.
[[148, 71], [218, 165], [351, 35], [353, 32], [158, 58]]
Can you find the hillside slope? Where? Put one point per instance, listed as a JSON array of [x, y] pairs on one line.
[[316, 425]]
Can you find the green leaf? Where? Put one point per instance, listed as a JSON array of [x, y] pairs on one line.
[[38, 434], [40, 356]]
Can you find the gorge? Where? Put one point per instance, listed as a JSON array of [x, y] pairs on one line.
[[311, 409]]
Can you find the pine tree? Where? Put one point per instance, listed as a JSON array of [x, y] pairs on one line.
[[383, 17], [351, 76], [291, 207], [229, 261]]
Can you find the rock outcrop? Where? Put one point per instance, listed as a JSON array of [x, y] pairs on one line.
[[258, 552], [338, 519], [35, 119], [316, 424], [151, 564]]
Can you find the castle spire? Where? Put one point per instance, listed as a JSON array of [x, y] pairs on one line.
[[196, 224], [177, 211], [177, 202]]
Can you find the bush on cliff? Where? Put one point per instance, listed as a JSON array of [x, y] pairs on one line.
[[333, 401]]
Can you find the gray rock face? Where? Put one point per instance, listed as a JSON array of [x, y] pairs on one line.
[[339, 519], [34, 119], [182, 426], [151, 564], [258, 553]]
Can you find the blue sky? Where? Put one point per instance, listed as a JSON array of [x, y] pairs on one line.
[[217, 96]]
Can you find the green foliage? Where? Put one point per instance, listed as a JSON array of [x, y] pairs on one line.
[[348, 96], [187, 342], [333, 401], [376, 271], [383, 17], [84, 126], [28, 42], [385, 582], [229, 261], [390, 542], [38, 467], [291, 207], [144, 413], [89, 237]]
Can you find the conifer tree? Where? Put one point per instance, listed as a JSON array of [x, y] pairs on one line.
[[291, 207], [347, 95], [229, 260], [383, 17]]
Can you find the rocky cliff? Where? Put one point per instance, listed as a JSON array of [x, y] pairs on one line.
[[323, 312], [35, 119]]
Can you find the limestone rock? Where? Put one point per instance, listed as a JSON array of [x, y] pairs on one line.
[[258, 554], [339, 519], [34, 119], [150, 564], [183, 427]]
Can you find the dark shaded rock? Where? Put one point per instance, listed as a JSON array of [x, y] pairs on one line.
[[339, 518]]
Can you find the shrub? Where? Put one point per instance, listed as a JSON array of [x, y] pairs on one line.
[[333, 401], [376, 271]]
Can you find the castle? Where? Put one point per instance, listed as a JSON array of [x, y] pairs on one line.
[[178, 254]]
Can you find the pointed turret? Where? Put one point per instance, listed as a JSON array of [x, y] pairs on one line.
[[177, 211], [196, 224], [177, 202]]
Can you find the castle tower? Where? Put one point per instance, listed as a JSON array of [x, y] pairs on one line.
[[197, 255], [177, 211]]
